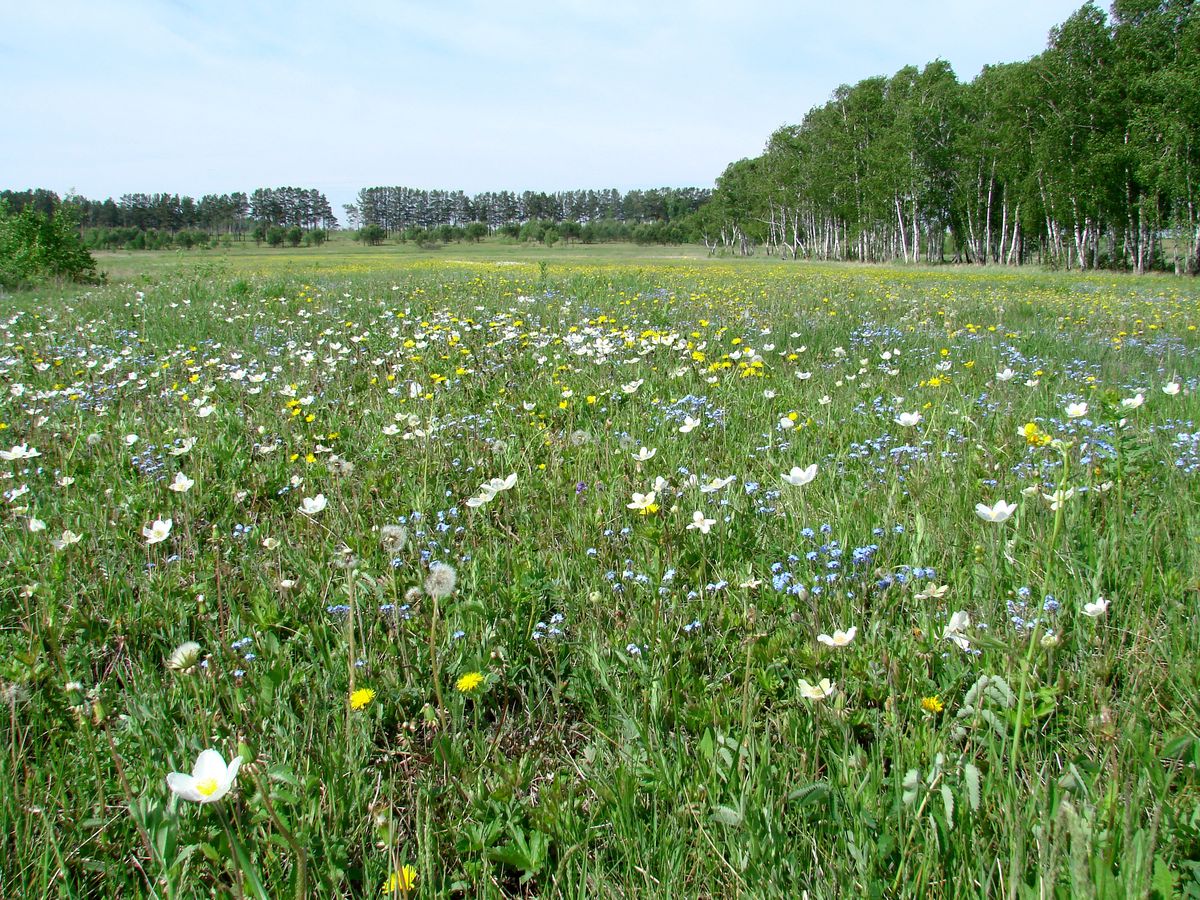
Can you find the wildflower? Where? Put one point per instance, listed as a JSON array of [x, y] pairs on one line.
[[818, 691], [997, 513], [908, 419], [932, 705], [1059, 498], [643, 503], [441, 580], [1133, 402], [36, 525], [701, 524], [1006, 375], [468, 682], [210, 780], [157, 531], [1096, 608], [360, 698], [716, 484], [20, 451], [798, 477], [688, 424], [644, 455], [182, 484], [839, 638], [954, 631], [183, 448], [403, 880], [68, 538], [1171, 388], [932, 592], [310, 506], [183, 658], [1076, 410], [1034, 436]]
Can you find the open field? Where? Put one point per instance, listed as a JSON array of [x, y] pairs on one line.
[[652, 577]]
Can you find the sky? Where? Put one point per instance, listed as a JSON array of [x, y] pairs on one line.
[[208, 96]]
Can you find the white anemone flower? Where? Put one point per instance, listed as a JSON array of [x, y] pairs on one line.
[[1171, 388], [818, 691], [908, 419], [1076, 410], [688, 424], [1096, 608], [182, 484], [839, 638], [799, 477], [717, 484], [701, 524], [1133, 402], [19, 451], [157, 531], [210, 780], [996, 513], [310, 506], [644, 454], [68, 538], [955, 630]]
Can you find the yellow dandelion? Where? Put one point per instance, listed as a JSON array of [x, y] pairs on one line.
[[403, 880], [932, 705], [361, 698], [468, 682]]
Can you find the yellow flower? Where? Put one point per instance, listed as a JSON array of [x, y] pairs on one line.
[[403, 881], [361, 698], [932, 705], [468, 682]]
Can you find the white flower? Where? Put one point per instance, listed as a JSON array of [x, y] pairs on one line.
[[205, 411], [688, 424], [182, 484], [786, 423], [825, 401], [1076, 410], [818, 691], [1059, 498], [908, 419], [68, 538], [632, 386], [36, 525], [157, 531], [391, 429], [1171, 388], [1096, 608], [954, 630], [66, 481], [210, 780], [701, 524], [997, 513], [644, 455], [716, 484], [641, 501], [1006, 375], [19, 451], [799, 477], [310, 506], [1133, 402], [184, 657], [183, 448], [839, 638], [131, 439]]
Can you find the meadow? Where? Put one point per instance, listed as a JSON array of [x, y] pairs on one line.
[[527, 575]]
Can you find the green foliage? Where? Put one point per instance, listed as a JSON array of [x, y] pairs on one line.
[[35, 246]]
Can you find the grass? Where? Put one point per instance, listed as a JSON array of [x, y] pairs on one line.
[[604, 702]]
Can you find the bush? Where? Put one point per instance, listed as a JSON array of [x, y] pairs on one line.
[[372, 235], [34, 246]]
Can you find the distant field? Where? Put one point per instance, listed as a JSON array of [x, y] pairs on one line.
[[626, 575], [343, 255]]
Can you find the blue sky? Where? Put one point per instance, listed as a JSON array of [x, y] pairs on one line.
[[209, 97]]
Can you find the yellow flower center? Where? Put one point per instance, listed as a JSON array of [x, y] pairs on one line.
[[207, 787]]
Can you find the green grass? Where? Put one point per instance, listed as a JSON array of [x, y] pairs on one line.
[[642, 727]]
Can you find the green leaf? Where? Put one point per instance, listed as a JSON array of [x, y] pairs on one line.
[[727, 815], [810, 793], [948, 802], [971, 779]]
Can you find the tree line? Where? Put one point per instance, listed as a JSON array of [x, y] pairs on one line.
[[1085, 156], [395, 210]]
